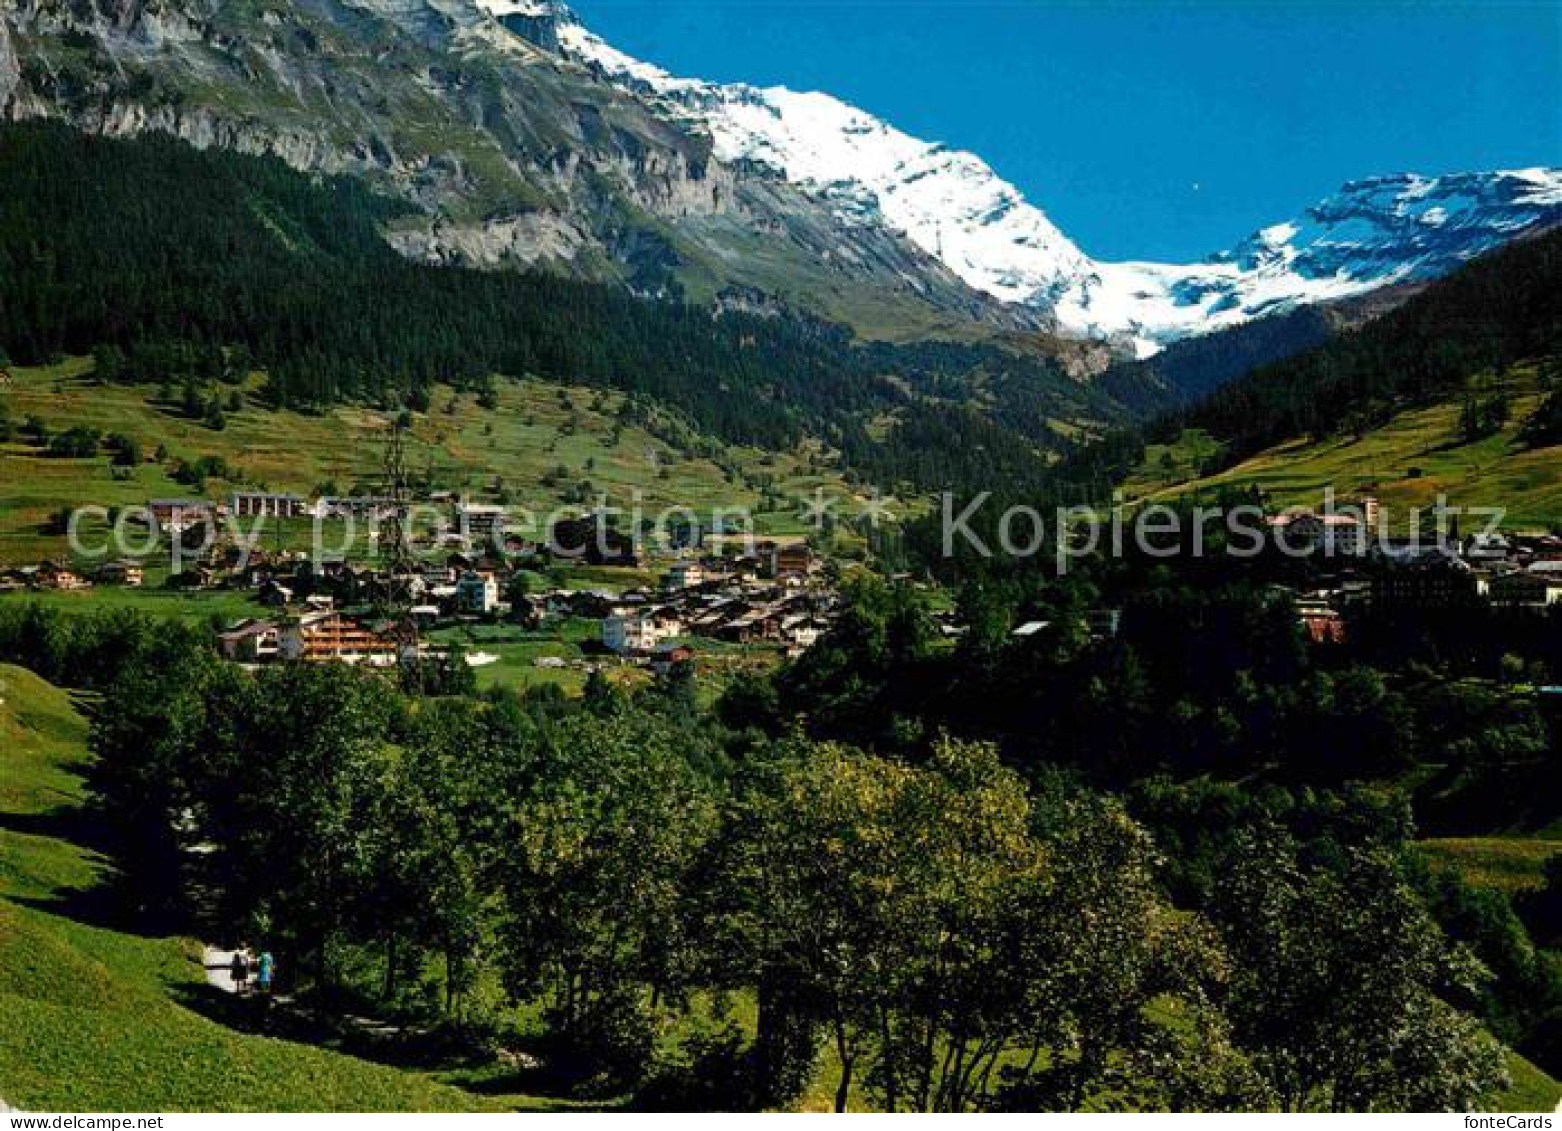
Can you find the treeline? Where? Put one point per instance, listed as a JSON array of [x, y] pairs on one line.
[[194, 264], [937, 932]]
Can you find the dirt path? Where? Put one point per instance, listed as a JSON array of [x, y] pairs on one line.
[[219, 969]]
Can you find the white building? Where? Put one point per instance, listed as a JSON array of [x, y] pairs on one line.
[[1334, 534], [630, 634], [264, 504], [480, 522]]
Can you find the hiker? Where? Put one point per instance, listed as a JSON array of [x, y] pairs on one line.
[[266, 970], [239, 969]]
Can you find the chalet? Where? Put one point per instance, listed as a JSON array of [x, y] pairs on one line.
[[751, 628], [667, 619], [120, 572], [325, 636], [685, 574], [1321, 620], [262, 504], [250, 642], [669, 657], [52, 575], [174, 516], [1324, 625], [786, 559]]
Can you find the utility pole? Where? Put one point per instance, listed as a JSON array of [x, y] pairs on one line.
[[399, 565]]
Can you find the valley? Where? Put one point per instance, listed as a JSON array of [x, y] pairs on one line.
[[534, 582]]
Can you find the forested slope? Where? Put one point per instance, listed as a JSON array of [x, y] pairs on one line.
[[1500, 309], [193, 262]]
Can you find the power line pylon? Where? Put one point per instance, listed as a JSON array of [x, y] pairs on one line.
[[398, 597]]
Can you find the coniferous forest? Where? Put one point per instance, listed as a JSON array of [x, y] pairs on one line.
[[194, 262]]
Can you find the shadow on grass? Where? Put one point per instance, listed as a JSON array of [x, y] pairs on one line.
[[447, 1055], [74, 825]]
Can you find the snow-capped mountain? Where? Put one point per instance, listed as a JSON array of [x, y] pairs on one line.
[[955, 207]]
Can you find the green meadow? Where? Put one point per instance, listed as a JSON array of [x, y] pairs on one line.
[[1407, 463], [542, 446]]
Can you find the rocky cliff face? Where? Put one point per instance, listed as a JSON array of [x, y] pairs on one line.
[[516, 155], [10, 69]]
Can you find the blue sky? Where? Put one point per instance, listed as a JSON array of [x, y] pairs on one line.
[[1150, 130]]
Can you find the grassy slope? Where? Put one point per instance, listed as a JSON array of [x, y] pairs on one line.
[[468, 448], [1496, 471], [1507, 864], [90, 1015]]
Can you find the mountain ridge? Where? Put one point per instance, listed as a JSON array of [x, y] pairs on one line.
[[515, 157], [1374, 232], [526, 141]]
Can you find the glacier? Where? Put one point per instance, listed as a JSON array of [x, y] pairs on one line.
[[955, 207]]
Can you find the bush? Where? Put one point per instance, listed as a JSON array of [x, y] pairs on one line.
[[76, 443], [712, 1072], [605, 1049]]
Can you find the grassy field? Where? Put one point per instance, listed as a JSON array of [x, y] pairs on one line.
[[574, 640], [223, 605], [1506, 864], [535, 449], [1406, 463]]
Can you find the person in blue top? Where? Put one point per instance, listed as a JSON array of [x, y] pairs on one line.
[[265, 970]]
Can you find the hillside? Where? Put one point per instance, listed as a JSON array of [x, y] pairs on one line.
[[98, 1019], [542, 446], [198, 266], [1500, 310], [1406, 461], [505, 156]]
